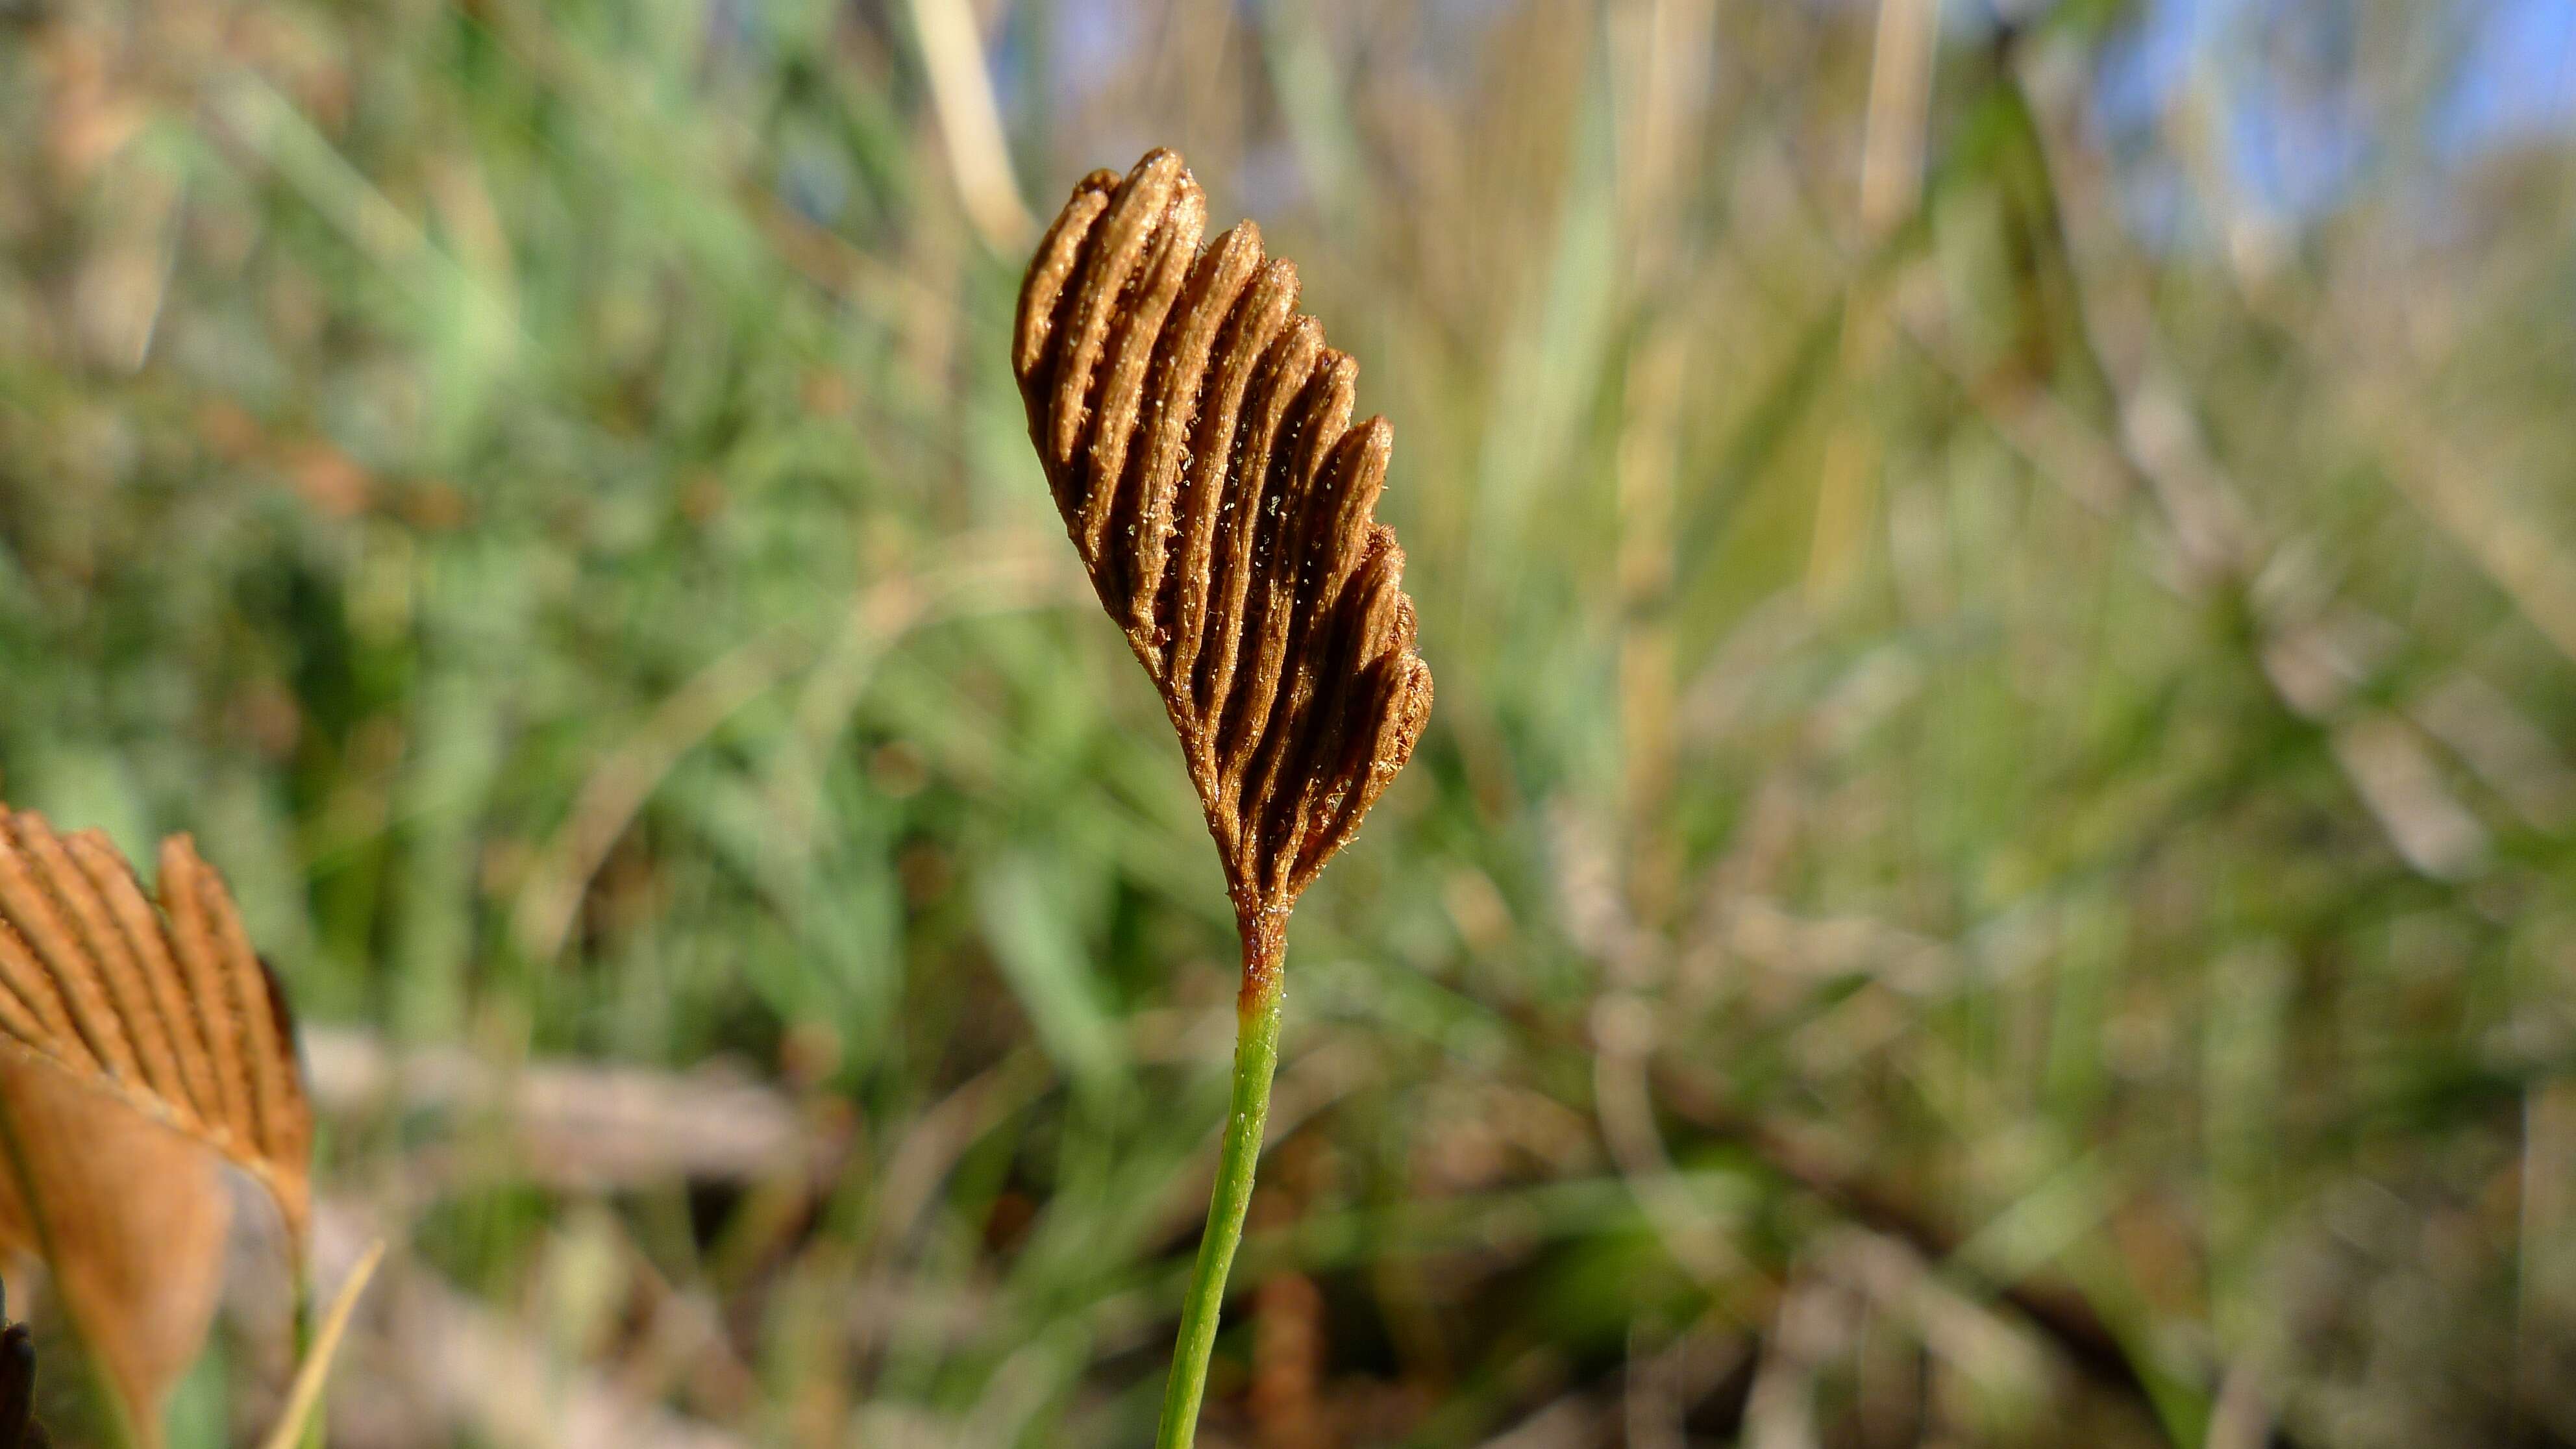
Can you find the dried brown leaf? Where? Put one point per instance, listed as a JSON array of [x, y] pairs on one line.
[[1197, 435], [138, 1046], [168, 1012], [134, 1215]]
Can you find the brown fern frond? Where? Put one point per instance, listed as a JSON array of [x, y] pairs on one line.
[[1197, 434], [129, 1213], [166, 1010]]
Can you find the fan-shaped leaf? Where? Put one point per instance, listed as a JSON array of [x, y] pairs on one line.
[[168, 1011], [1197, 434], [137, 1046]]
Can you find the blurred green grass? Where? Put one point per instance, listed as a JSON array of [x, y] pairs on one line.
[[1994, 861]]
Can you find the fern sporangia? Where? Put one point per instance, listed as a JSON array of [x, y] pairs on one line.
[[166, 1010], [1197, 434]]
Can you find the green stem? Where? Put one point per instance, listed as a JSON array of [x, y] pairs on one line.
[[304, 1306], [1256, 1060]]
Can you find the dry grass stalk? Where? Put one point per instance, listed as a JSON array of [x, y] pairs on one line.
[[1197, 433], [304, 1397], [574, 1125], [137, 1044]]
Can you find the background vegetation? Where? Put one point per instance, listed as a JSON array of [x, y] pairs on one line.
[[1997, 859]]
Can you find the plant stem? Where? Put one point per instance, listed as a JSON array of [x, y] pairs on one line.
[[1256, 1060], [315, 1425]]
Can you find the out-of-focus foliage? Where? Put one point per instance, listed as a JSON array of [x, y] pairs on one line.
[[1996, 860]]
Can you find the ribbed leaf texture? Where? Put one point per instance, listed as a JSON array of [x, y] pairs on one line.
[[1197, 434], [166, 1010]]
